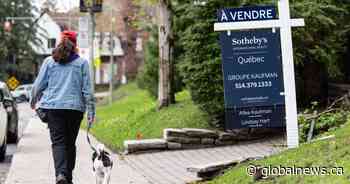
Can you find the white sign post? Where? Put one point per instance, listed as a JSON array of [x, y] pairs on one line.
[[285, 23]]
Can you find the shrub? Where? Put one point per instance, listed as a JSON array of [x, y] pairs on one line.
[[324, 123], [148, 76], [201, 58]]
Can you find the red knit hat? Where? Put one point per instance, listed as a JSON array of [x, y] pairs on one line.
[[71, 35]]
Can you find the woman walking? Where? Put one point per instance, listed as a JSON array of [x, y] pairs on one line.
[[64, 92]]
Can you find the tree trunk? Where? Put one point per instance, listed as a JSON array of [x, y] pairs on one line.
[[165, 92], [313, 85]]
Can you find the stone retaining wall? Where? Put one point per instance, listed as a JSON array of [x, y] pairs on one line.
[[192, 138]]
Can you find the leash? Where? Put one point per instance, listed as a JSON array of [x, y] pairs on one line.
[[88, 138], [92, 147]]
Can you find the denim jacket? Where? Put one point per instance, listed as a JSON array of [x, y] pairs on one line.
[[64, 86]]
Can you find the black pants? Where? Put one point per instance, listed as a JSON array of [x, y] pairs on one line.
[[64, 128]]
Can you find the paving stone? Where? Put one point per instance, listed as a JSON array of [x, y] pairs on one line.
[[242, 131], [146, 144], [226, 136], [184, 140], [203, 133], [224, 143], [246, 134], [213, 166], [196, 146], [174, 145], [173, 132], [168, 160], [208, 171], [209, 141]]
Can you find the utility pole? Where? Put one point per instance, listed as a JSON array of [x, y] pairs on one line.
[[91, 40], [111, 46], [124, 78], [91, 6]]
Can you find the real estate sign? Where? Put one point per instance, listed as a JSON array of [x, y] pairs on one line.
[[251, 19], [252, 68]]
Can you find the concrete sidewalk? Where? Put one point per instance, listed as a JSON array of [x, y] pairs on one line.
[[33, 163]]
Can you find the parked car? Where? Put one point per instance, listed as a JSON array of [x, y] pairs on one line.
[[12, 113], [3, 128], [22, 92]]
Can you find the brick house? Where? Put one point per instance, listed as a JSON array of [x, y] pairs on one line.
[[129, 56]]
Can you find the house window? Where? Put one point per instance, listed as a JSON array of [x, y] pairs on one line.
[[51, 43]]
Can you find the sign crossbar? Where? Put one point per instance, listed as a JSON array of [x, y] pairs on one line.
[[225, 26]]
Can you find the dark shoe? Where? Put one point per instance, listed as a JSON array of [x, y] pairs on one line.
[[61, 179]]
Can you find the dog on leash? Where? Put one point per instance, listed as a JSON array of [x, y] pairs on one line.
[[102, 165]]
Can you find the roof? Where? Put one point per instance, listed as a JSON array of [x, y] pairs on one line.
[[48, 29]]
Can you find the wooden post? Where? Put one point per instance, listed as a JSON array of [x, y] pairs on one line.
[[165, 36], [312, 126]]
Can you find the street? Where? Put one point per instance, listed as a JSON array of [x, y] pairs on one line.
[[25, 113]]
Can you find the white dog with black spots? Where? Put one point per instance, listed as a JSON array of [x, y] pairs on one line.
[[102, 165]]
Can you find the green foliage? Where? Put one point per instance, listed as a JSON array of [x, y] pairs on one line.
[[200, 56], [148, 77], [328, 153], [17, 42], [324, 123], [135, 114], [322, 40]]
